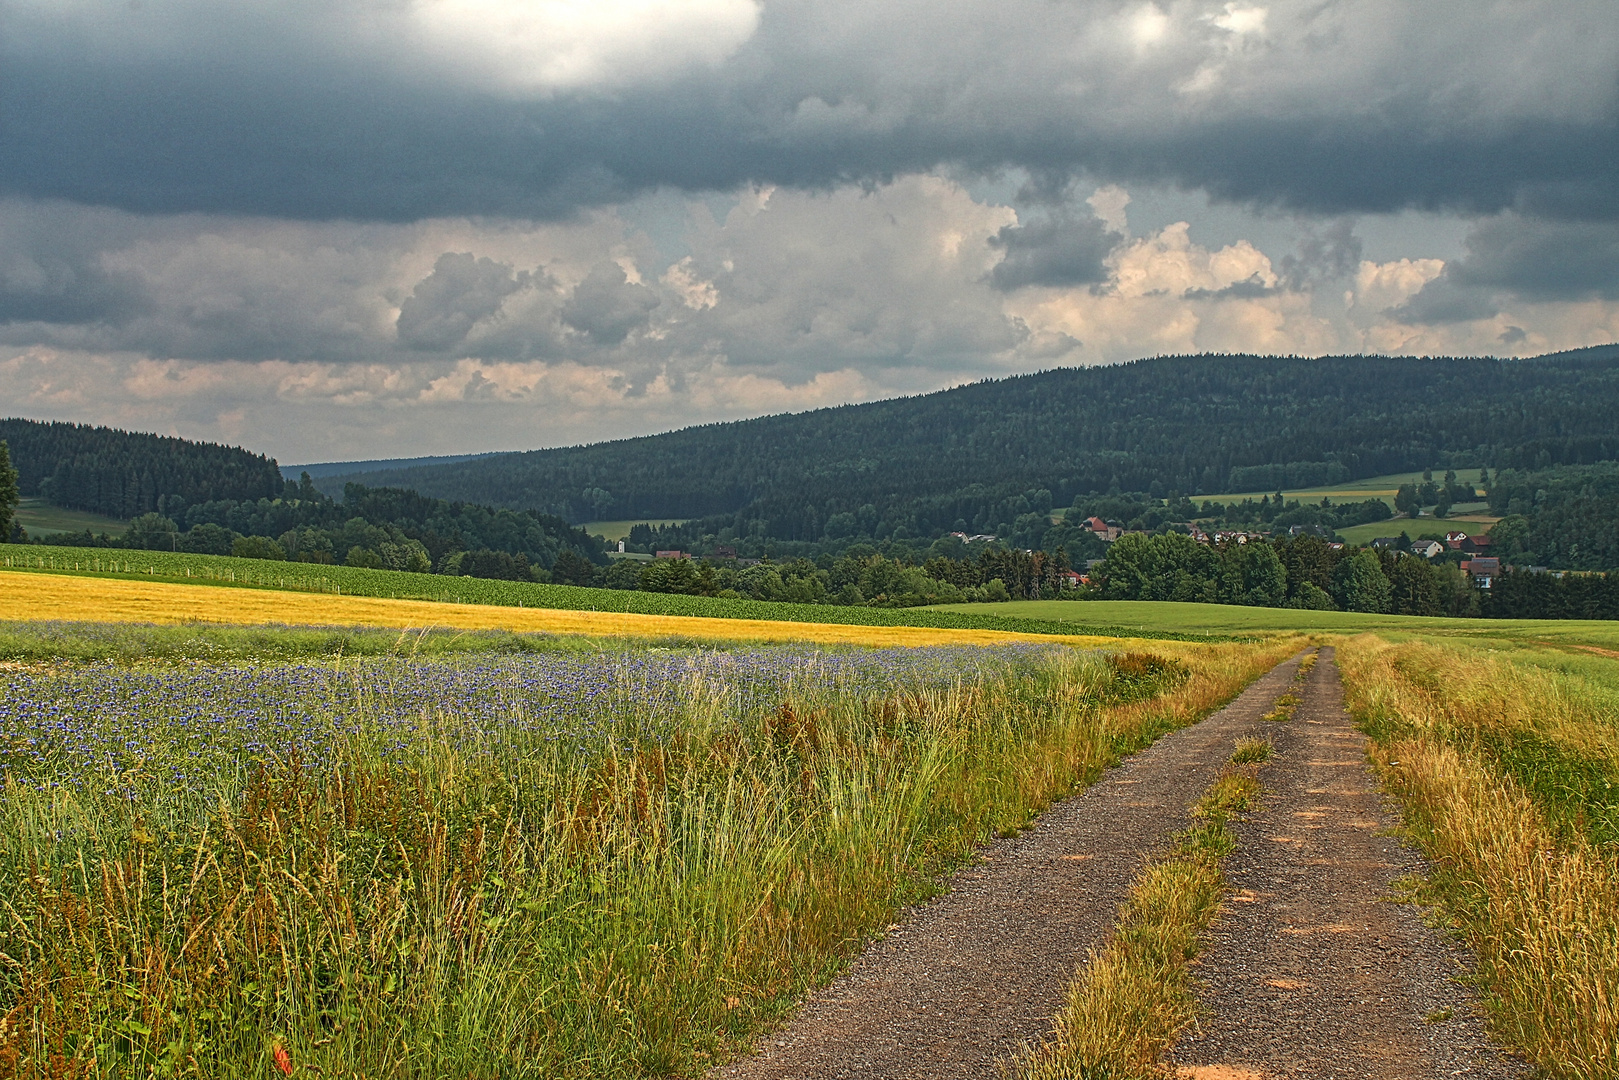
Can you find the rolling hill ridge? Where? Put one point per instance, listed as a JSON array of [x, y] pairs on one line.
[[975, 456]]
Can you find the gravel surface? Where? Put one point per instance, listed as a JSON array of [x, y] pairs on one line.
[[1313, 972], [960, 983]]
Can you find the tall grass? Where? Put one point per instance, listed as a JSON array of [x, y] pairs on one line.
[[474, 900], [1507, 774]]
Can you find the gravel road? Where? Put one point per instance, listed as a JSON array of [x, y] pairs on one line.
[[1313, 973], [961, 982]]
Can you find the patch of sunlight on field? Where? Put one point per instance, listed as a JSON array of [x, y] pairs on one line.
[[1159, 615], [620, 530], [25, 596], [1371, 487]]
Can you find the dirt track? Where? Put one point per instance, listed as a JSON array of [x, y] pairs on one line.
[[958, 985], [1311, 973]]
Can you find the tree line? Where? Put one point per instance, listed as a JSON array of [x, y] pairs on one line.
[[382, 528], [1307, 572], [124, 474]]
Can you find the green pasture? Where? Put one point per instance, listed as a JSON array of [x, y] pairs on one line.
[[1372, 487], [40, 518], [1365, 534], [1159, 616]]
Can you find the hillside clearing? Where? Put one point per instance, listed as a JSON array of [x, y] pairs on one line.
[[40, 518], [1472, 525]]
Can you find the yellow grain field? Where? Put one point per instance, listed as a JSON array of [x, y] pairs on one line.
[[48, 596]]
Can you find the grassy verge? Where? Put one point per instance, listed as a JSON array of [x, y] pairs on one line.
[[1134, 998], [400, 585], [1507, 765], [417, 869]]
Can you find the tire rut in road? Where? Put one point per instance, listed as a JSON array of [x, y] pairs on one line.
[[961, 983], [1312, 972]]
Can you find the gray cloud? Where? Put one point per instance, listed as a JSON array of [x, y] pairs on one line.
[[299, 110], [1063, 250], [1331, 254], [51, 269], [608, 306], [461, 290], [1442, 302], [1542, 260], [1529, 258], [1250, 288]]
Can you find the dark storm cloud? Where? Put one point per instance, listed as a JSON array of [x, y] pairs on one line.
[[1062, 251], [51, 269], [1442, 302], [285, 109], [1542, 260]]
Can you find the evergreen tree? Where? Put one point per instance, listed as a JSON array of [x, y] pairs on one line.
[[9, 496], [1412, 587]]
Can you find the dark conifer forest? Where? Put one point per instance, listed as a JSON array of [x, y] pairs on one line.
[[124, 474], [963, 458]]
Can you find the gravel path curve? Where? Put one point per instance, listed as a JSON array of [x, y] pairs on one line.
[[962, 982], [1312, 973]]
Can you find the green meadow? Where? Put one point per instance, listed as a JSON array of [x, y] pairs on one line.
[[40, 518], [1370, 487], [1473, 525], [1160, 616]]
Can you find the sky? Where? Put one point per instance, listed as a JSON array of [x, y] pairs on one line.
[[344, 229]]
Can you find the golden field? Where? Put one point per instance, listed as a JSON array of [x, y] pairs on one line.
[[26, 596]]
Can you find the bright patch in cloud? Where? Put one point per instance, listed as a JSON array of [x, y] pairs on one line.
[[530, 45]]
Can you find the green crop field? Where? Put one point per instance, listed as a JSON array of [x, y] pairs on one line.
[[1158, 616], [40, 518]]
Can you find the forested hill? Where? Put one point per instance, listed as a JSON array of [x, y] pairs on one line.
[[125, 474], [953, 459]]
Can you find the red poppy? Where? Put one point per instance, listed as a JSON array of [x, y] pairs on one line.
[[283, 1060]]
